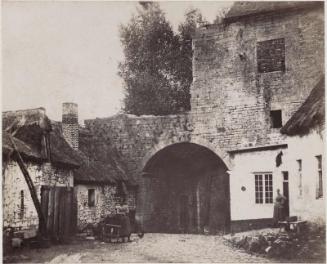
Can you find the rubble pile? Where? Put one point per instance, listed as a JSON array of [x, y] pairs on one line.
[[289, 245]]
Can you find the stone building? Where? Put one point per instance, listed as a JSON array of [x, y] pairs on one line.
[[217, 167], [75, 183], [101, 184], [50, 163], [306, 141]]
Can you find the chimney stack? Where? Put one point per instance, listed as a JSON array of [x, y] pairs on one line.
[[70, 124]]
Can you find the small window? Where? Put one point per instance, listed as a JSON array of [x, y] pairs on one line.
[[91, 197], [319, 191], [22, 205], [285, 175], [271, 55], [276, 118], [299, 164], [263, 188], [121, 192]]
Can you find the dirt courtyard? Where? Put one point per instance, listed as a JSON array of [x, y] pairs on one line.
[[152, 248]]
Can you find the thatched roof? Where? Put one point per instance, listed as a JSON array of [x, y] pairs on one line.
[[24, 149], [245, 9], [96, 161], [29, 127], [60, 150], [311, 114], [100, 161]]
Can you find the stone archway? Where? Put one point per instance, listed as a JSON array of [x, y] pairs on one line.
[[185, 190]]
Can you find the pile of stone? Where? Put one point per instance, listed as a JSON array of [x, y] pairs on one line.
[[280, 245]]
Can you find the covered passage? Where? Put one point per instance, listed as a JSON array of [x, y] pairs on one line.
[[186, 190]]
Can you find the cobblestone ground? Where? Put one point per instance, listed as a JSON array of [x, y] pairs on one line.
[[152, 248]]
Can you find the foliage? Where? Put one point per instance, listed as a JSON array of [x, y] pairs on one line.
[[157, 69]]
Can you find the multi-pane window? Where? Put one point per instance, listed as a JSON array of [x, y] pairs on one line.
[[263, 188], [91, 197], [268, 188], [258, 189], [271, 55], [299, 164], [319, 191]]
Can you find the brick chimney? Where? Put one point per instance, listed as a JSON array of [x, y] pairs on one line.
[[70, 123]]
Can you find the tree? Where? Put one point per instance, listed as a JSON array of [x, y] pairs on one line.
[[150, 47], [157, 69]]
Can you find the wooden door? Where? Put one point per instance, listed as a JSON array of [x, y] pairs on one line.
[[57, 207]]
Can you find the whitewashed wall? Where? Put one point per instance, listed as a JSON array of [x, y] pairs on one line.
[[243, 206], [14, 183], [307, 148]]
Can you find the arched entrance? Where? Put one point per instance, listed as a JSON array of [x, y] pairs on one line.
[[186, 190]]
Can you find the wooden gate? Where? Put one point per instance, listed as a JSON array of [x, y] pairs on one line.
[[57, 207]]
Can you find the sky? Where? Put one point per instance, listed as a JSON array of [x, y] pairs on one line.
[[58, 51]]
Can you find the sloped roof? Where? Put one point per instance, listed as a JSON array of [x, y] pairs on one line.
[[60, 150], [100, 161], [245, 8], [311, 113], [24, 149], [29, 127]]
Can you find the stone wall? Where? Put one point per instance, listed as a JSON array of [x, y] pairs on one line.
[[22, 214], [228, 87], [106, 202], [231, 99]]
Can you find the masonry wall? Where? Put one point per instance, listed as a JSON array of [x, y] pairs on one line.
[[233, 95], [306, 148], [230, 99], [106, 203], [14, 183]]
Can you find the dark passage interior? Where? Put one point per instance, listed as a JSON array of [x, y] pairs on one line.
[[186, 191]]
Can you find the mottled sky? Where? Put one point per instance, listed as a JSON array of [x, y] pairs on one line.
[[55, 52]]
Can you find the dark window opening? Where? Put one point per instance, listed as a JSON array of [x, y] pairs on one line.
[[285, 175], [271, 55], [22, 205], [299, 163], [319, 191], [121, 192], [276, 118], [91, 197]]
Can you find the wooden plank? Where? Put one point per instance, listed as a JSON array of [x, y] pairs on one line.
[[45, 201], [51, 212], [61, 215], [68, 210], [74, 211], [56, 212]]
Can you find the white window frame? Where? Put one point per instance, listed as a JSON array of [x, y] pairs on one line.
[[264, 179]]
